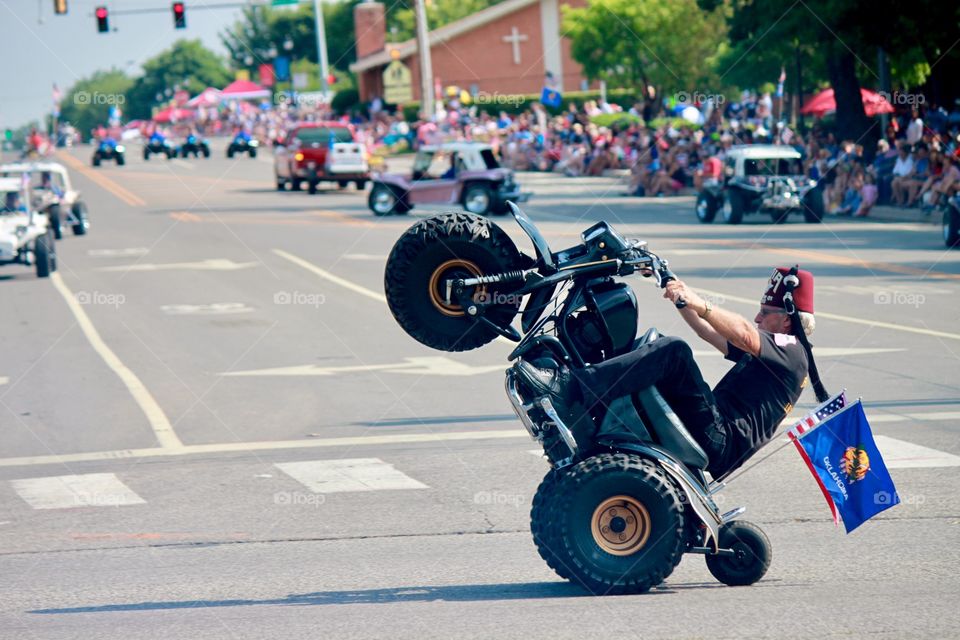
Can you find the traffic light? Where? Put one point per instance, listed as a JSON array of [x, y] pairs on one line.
[[179, 16], [103, 20], [60, 7]]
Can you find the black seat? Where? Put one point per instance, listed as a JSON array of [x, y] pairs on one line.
[[669, 430]]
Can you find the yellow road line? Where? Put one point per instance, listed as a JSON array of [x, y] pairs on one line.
[[326, 275], [842, 318], [161, 426], [128, 197], [239, 447], [342, 217]]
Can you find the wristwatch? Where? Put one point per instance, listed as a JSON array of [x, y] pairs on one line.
[[707, 309]]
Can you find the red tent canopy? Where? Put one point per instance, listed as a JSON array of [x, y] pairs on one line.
[[209, 97], [824, 102], [174, 114], [243, 90]]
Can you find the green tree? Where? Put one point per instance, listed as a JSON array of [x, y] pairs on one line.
[[187, 65], [640, 43], [87, 103], [838, 41], [402, 20]]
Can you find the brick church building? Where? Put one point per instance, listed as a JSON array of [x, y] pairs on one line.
[[504, 49]]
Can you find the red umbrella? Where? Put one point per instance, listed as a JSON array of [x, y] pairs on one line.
[[244, 90], [824, 102], [174, 114]]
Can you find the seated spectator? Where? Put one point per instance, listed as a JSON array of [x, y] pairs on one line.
[[868, 197], [944, 186], [851, 198], [903, 171], [924, 182]]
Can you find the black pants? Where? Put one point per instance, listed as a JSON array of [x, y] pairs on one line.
[[668, 364]]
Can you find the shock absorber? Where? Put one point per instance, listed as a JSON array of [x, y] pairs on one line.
[[497, 278]]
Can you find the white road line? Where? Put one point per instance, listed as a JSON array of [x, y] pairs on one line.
[[66, 492], [242, 447], [214, 264], [430, 365], [898, 454], [326, 275], [182, 163], [834, 316], [216, 308], [118, 253], [4, 379], [166, 437], [354, 474]]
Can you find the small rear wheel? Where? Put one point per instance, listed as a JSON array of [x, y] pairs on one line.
[[951, 227], [121, 161], [253, 153], [81, 222], [45, 254], [53, 214], [733, 207], [706, 207], [752, 550], [96, 160], [443, 248], [383, 200]]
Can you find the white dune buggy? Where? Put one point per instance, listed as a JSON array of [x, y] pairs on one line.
[[53, 194], [26, 236]]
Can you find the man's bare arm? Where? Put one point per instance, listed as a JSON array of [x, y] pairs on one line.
[[727, 325]]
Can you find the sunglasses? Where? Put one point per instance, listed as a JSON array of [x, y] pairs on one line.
[[767, 312]]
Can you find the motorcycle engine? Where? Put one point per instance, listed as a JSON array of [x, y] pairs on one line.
[[607, 325]]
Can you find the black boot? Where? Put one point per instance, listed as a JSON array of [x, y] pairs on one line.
[[556, 383]]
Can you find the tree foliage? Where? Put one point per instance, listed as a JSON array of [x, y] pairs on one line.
[[187, 65], [639, 43], [402, 20], [87, 103]]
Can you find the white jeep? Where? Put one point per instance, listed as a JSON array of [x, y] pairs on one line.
[[26, 236], [53, 194]]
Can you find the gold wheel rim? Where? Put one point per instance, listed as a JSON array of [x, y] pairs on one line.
[[437, 286], [621, 525]]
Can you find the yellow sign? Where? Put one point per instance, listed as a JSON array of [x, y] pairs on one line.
[[397, 83], [242, 74]]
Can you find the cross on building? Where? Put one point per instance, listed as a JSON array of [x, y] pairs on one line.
[[515, 38]]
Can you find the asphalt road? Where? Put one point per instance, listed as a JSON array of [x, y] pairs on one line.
[[213, 348]]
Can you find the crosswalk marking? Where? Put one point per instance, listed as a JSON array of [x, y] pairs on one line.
[[64, 492], [356, 474], [898, 454]]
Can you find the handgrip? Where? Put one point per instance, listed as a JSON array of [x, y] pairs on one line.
[[666, 276]]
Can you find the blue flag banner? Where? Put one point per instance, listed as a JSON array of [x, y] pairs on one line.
[[844, 459], [551, 98]]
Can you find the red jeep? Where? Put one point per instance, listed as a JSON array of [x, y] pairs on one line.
[[315, 152]]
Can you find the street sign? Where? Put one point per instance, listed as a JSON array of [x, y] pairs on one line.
[[397, 83]]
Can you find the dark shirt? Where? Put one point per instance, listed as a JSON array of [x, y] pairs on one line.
[[760, 391]]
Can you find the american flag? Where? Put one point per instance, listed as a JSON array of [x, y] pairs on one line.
[[812, 419]]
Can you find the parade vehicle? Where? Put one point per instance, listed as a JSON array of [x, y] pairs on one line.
[[626, 494], [464, 173], [194, 145], [760, 178], [243, 143], [25, 234], [951, 222], [53, 194], [109, 149], [157, 144], [318, 152]]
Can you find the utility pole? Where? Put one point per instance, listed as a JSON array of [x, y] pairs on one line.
[[426, 66], [321, 47]]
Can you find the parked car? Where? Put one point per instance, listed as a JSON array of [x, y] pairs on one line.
[[25, 235], [316, 152], [158, 144], [243, 143], [108, 149], [52, 194], [760, 178], [464, 173], [194, 145]]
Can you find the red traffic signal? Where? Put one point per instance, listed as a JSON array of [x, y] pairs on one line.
[[331, 79], [179, 16], [103, 19]]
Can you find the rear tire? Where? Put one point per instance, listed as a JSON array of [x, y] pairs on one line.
[[733, 207], [45, 254], [754, 554], [82, 223], [706, 207], [96, 160], [229, 153], [295, 185], [360, 184], [53, 215], [311, 187], [478, 199], [253, 153], [813, 206], [620, 524], [121, 161], [951, 227], [437, 249]]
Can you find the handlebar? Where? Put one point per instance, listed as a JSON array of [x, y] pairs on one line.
[[646, 260]]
